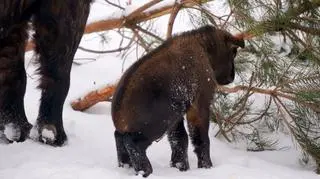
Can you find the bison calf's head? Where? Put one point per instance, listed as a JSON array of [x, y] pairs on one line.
[[222, 49]]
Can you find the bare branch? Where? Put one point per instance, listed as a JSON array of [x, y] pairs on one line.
[[103, 51], [173, 16], [133, 18], [140, 10], [115, 5], [148, 33]]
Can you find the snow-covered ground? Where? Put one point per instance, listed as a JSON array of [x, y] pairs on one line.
[[90, 151]]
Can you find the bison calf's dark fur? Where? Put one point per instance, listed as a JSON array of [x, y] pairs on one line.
[[58, 25], [177, 78]]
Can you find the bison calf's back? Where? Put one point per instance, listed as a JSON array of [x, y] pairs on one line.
[[177, 78]]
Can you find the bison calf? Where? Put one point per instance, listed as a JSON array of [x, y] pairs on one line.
[[177, 78]]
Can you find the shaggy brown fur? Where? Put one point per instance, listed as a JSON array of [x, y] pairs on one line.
[[58, 25], [177, 78]]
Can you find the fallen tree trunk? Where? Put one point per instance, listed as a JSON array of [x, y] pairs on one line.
[[106, 93], [93, 98]]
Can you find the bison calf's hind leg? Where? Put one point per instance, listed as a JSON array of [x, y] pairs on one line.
[[201, 143], [178, 139], [136, 145], [198, 124], [13, 121], [123, 155]]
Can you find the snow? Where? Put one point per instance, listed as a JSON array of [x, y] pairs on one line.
[[91, 153]]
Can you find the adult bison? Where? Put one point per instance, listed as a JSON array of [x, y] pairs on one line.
[[58, 25], [177, 78]]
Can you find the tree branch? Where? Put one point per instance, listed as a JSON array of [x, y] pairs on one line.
[[100, 95], [309, 30], [172, 18], [273, 93], [115, 5], [93, 98], [135, 17]]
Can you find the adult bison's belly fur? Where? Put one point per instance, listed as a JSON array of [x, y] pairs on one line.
[[154, 94]]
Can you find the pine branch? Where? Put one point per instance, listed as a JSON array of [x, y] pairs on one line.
[[309, 30], [275, 93], [284, 22], [301, 130], [304, 84]]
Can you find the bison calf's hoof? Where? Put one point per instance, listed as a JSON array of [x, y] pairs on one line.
[[144, 168], [182, 166], [51, 135], [124, 162], [135, 145], [179, 160], [204, 164]]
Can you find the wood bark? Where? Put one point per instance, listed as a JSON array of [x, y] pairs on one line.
[[93, 98], [106, 93]]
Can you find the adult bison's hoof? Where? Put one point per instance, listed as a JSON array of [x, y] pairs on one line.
[[15, 132], [49, 134]]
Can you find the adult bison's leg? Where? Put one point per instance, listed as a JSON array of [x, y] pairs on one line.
[[198, 124], [13, 121], [178, 139], [59, 26]]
